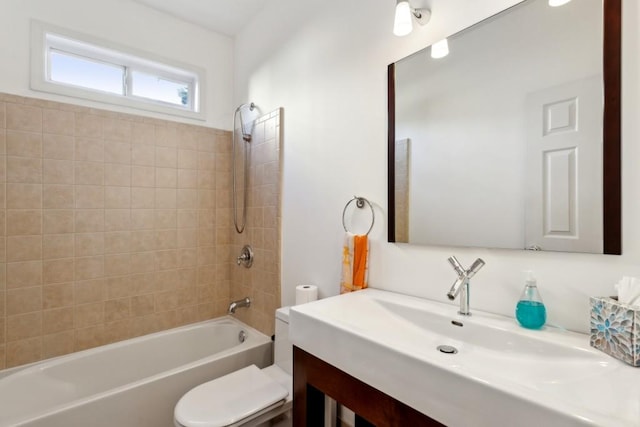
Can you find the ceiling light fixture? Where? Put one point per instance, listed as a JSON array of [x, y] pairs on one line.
[[440, 49], [403, 23], [556, 3]]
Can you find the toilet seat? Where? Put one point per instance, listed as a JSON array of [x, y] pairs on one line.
[[230, 399]]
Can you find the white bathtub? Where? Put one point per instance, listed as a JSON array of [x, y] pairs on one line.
[[133, 383]]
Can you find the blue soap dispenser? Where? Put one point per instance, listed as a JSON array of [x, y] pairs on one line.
[[530, 311]]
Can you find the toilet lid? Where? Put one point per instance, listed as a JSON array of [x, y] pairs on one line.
[[229, 399]]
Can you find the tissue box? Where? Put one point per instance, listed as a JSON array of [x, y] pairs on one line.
[[615, 329]]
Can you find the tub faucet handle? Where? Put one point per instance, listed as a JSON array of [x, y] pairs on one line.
[[246, 257]]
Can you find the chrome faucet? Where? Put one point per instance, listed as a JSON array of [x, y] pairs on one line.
[[461, 285], [244, 302]]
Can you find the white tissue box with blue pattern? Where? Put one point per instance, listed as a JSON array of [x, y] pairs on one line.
[[615, 329]]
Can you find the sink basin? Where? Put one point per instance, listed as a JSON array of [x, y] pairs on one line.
[[500, 371], [497, 349]]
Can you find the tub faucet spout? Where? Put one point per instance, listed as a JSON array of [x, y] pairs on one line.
[[244, 302]]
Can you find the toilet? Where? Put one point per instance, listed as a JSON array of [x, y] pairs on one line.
[[247, 397]]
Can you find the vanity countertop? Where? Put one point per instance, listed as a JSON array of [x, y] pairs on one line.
[[501, 371]]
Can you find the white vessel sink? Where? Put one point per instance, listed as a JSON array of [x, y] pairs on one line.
[[501, 374]]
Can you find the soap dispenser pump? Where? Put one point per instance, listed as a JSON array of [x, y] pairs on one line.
[[530, 311]]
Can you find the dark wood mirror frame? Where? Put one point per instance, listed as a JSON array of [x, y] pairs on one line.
[[611, 144]]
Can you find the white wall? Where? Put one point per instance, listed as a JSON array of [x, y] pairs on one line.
[[125, 23], [325, 62]]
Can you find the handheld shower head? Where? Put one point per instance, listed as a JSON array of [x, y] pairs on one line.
[[246, 135], [251, 107]]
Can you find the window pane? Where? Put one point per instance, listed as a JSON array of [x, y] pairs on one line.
[[84, 72], [159, 89]]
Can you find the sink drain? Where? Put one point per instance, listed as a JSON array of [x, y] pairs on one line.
[[447, 349]]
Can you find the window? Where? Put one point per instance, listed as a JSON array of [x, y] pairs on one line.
[[75, 70], [76, 65]]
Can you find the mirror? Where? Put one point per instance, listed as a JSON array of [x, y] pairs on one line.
[[513, 139]]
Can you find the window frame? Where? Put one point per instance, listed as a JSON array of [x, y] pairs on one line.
[[46, 38]]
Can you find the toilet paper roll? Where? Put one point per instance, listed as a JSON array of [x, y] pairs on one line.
[[306, 293]]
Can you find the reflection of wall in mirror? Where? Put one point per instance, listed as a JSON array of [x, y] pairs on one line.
[[465, 115], [402, 165]]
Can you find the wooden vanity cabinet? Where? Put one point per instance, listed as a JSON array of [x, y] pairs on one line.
[[313, 379]]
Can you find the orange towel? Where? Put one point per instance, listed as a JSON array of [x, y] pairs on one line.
[[360, 262], [355, 269]]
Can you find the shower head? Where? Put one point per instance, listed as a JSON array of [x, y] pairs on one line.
[[247, 121], [251, 107], [246, 135]]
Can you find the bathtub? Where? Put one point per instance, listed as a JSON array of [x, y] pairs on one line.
[[132, 383]]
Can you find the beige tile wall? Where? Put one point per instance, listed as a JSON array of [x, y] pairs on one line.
[[262, 281], [114, 226]]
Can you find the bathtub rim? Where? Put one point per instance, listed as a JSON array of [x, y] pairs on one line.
[[255, 339], [15, 369]]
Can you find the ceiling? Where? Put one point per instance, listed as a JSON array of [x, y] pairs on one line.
[[222, 16]]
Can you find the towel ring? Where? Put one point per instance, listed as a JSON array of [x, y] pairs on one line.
[[360, 201]]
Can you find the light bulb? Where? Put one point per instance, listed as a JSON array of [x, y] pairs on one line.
[[402, 24], [440, 49], [556, 3]]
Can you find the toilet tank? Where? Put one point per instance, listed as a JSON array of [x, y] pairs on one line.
[[283, 350]]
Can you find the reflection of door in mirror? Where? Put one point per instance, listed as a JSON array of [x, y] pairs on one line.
[[472, 160], [564, 167]]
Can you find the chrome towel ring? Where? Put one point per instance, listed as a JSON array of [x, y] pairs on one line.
[[360, 201]]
